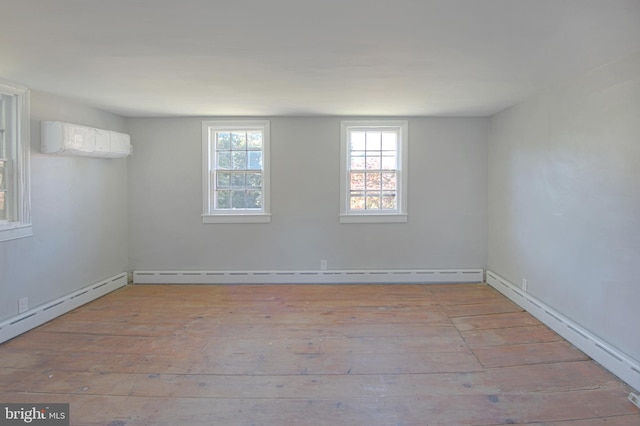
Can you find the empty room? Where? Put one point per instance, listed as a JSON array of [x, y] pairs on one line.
[[352, 212]]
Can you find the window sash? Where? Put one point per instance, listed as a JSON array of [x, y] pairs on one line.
[[15, 214], [236, 171], [4, 196], [7, 190], [369, 198], [373, 161], [3, 165], [242, 195], [3, 154]]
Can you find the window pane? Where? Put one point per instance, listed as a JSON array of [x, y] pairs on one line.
[[223, 141], [238, 200], [357, 141], [2, 174], [255, 160], [224, 160], [223, 180], [3, 209], [357, 163], [373, 202], [389, 201], [373, 181], [254, 140], [389, 162], [373, 163], [388, 181], [373, 141], [239, 160], [357, 202], [357, 181], [223, 199], [237, 180], [254, 199], [358, 156], [389, 141], [254, 180], [238, 140]]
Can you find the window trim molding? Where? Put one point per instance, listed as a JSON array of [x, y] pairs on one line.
[[237, 218], [210, 215], [21, 192], [374, 216]]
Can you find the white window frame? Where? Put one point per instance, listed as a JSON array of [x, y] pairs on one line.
[[210, 213], [16, 174], [374, 216]]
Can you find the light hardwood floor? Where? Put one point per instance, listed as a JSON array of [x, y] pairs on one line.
[[309, 355]]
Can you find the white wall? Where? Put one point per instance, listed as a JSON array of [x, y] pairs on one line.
[[447, 201], [78, 211], [564, 200]]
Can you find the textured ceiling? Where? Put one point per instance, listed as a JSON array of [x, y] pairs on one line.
[[296, 57]]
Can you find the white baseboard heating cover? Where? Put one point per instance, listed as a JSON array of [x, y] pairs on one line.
[[39, 315], [425, 276], [609, 357]]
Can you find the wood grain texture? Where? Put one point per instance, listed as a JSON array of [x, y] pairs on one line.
[[309, 355]]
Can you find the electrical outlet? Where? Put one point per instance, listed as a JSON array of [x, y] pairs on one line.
[[23, 304], [524, 284], [323, 264]]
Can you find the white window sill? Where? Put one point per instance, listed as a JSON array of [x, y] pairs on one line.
[[374, 218], [236, 218], [13, 232]]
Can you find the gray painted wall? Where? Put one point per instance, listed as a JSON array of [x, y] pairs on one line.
[[79, 216], [564, 200], [447, 201]]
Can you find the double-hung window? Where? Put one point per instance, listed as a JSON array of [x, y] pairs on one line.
[[235, 171], [15, 218], [373, 171]]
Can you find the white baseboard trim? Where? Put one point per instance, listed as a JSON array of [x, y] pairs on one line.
[[602, 352], [410, 276], [39, 315], [635, 399]]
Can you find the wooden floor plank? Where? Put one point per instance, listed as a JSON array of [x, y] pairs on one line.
[[407, 329], [534, 353], [623, 420], [489, 321], [309, 355], [509, 336], [560, 376], [470, 409], [472, 309], [245, 386]]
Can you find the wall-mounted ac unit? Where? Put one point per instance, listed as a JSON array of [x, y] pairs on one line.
[[73, 139]]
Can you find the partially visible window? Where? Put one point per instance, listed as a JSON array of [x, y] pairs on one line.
[[374, 171], [235, 171], [15, 218]]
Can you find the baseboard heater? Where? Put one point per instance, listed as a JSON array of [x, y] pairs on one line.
[[39, 315], [606, 355], [409, 276]]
